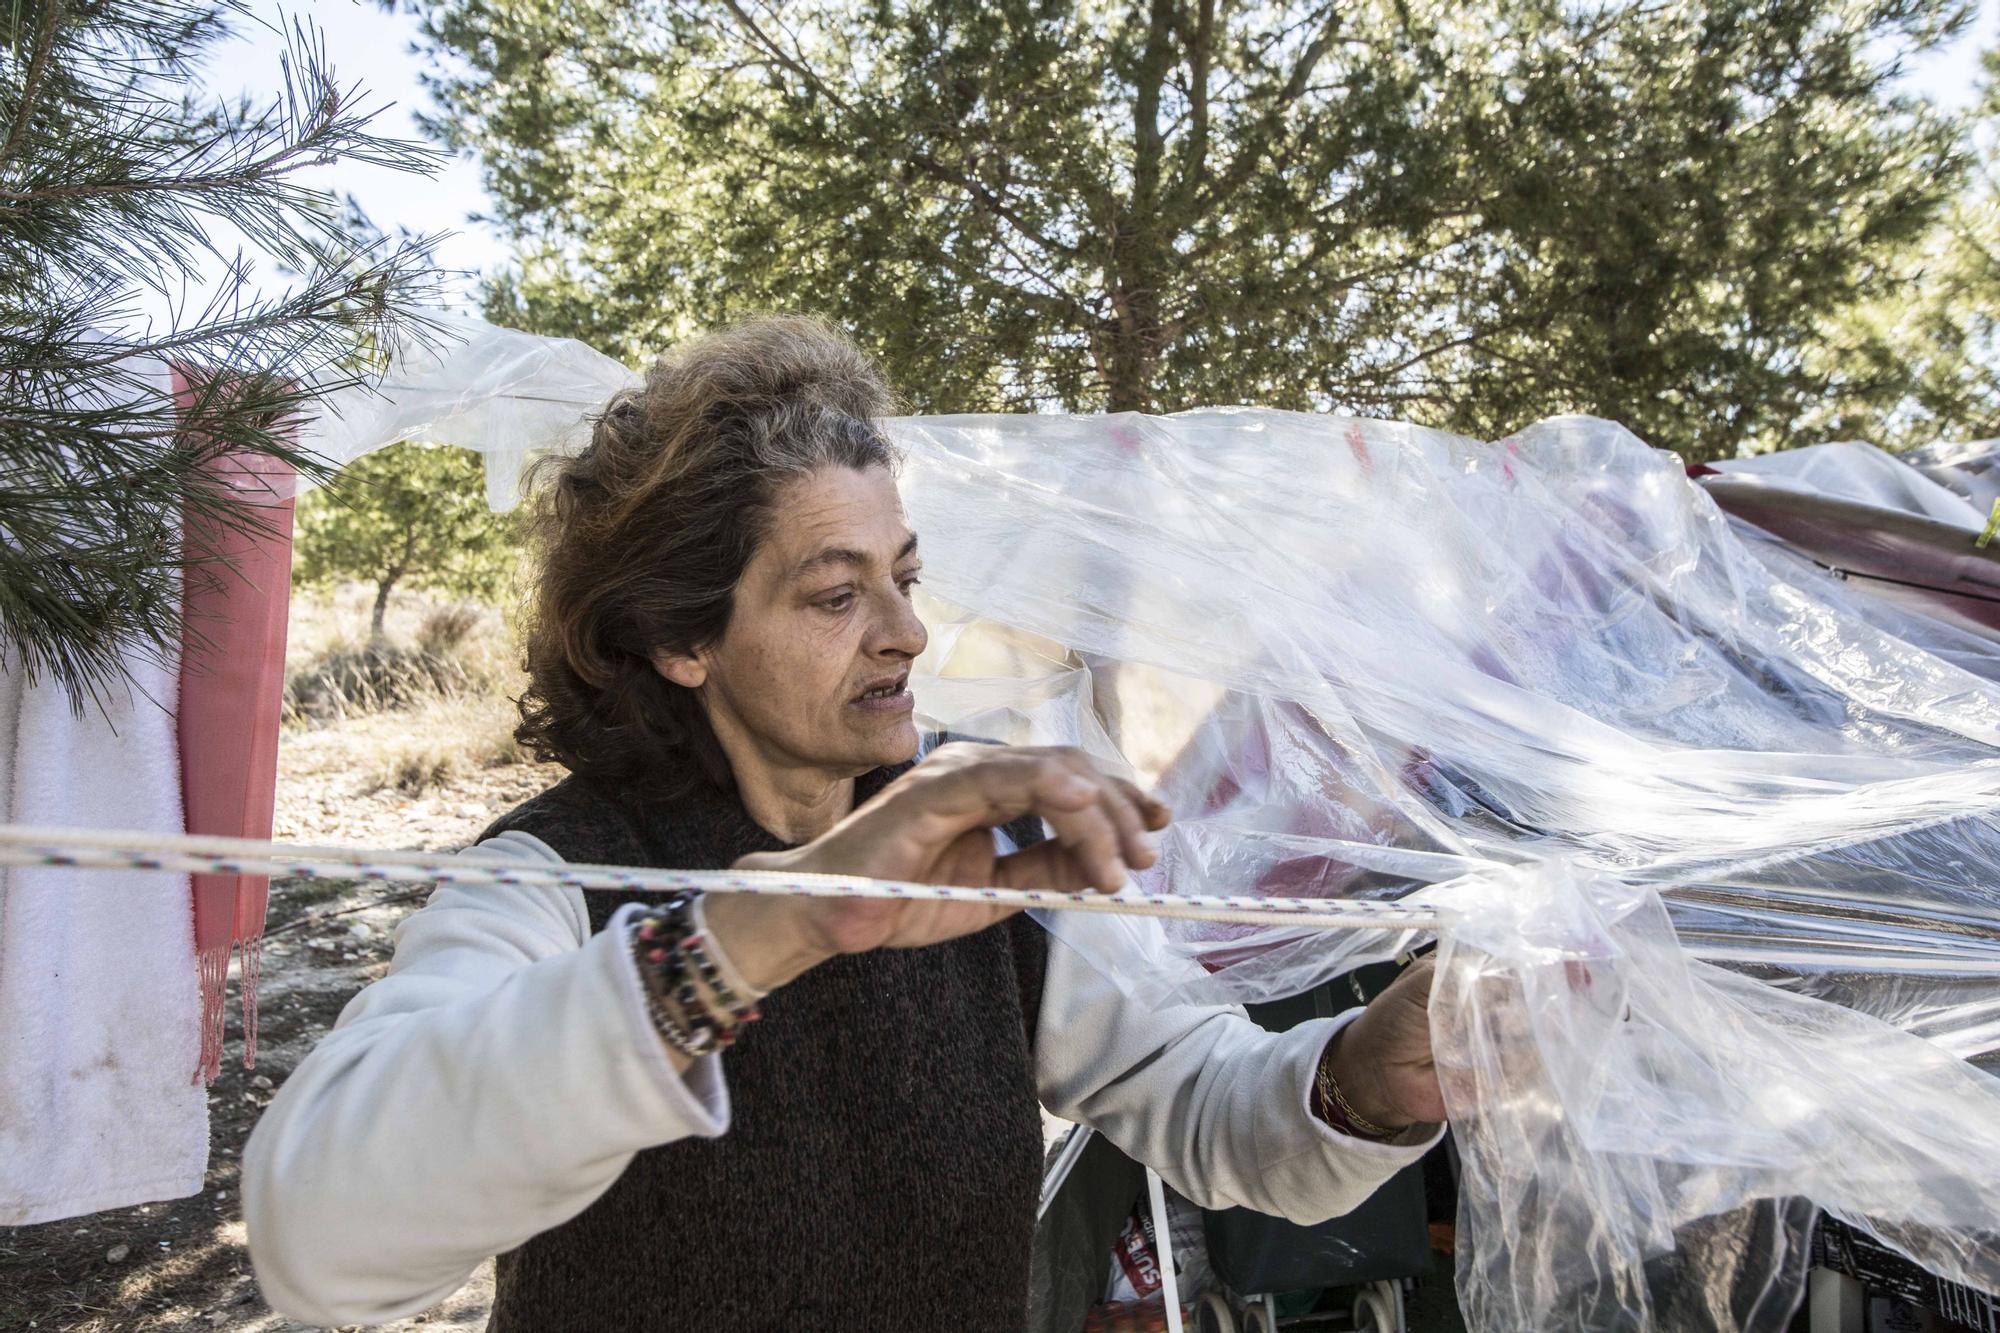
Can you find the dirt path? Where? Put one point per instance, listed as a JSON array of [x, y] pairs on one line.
[[181, 1265]]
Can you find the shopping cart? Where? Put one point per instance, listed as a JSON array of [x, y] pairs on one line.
[[1354, 1272]]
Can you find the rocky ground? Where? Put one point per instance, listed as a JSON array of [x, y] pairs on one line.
[[182, 1265]]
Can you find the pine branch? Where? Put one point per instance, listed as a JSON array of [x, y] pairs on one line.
[[112, 179], [31, 87], [157, 161]]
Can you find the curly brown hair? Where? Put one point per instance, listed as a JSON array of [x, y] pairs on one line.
[[641, 538]]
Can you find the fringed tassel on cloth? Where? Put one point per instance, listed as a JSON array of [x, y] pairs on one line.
[[212, 967], [250, 956]]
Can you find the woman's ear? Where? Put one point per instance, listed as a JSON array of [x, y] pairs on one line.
[[680, 668]]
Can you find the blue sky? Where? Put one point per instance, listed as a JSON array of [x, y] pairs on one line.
[[372, 48]]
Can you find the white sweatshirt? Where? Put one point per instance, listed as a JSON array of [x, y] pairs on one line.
[[503, 1073]]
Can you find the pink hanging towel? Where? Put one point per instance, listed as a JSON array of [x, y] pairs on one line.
[[231, 696]]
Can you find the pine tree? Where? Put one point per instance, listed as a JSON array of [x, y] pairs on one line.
[[115, 175], [1464, 212], [1931, 346], [410, 515]]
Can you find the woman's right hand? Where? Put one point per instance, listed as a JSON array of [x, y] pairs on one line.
[[933, 826]]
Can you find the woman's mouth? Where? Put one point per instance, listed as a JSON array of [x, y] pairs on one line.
[[889, 697]]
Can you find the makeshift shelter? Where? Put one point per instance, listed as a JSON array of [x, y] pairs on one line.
[[1714, 832], [1714, 836]]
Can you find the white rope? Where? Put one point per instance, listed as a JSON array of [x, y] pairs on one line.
[[100, 849]]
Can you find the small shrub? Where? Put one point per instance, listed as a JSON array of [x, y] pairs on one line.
[[345, 681], [444, 740], [444, 630], [426, 710], [418, 772]]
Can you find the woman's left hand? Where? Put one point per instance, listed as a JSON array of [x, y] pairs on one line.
[[934, 825], [1382, 1060]]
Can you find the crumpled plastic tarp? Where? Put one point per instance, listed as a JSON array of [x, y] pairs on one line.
[[1970, 468], [1909, 483], [1715, 844], [453, 378], [1903, 531]]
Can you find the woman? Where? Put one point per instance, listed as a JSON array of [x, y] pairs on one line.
[[720, 654]]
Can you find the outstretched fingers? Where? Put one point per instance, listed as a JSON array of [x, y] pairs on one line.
[[1101, 823]]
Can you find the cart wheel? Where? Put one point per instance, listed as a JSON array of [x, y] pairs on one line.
[[1212, 1315], [1259, 1318], [1379, 1309]]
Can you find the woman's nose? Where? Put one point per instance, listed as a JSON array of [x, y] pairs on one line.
[[898, 632]]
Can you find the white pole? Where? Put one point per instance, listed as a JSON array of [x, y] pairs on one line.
[[1163, 1245], [1066, 1160]]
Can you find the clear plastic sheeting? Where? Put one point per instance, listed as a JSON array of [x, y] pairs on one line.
[[1708, 836], [1362, 658], [454, 379], [1970, 468], [1715, 832], [1865, 475], [1638, 1131], [1902, 531]]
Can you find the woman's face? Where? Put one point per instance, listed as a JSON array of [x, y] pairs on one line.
[[813, 671]]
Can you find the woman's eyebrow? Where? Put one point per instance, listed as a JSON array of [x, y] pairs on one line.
[[848, 556]]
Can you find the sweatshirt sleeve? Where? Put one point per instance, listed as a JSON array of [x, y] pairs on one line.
[[492, 1085], [1218, 1106]]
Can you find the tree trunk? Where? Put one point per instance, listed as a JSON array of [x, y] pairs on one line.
[[1131, 354], [376, 637], [1127, 377], [1138, 246], [389, 579]]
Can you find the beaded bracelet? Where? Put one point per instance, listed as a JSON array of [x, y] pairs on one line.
[[672, 1029], [1337, 1111], [673, 956], [667, 948], [682, 1020]]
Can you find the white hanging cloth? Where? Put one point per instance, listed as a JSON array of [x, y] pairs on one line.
[[100, 1014]]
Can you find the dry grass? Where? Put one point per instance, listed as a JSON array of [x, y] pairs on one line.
[[411, 750], [440, 740], [432, 704], [376, 678], [323, 622]]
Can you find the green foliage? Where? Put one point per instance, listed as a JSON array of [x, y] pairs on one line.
[[410, 515], [1464, 213], [114, 176], [1936, 337]]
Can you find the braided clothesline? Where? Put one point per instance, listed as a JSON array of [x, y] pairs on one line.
[[103, 849]]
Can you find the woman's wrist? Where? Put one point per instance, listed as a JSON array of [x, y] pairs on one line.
[[768, 941], [1347, 1095]]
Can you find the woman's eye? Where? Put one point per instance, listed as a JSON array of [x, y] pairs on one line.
[[908, 583], [837, 602]]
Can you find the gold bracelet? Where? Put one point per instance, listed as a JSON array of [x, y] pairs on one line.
[[1329, 1089]]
